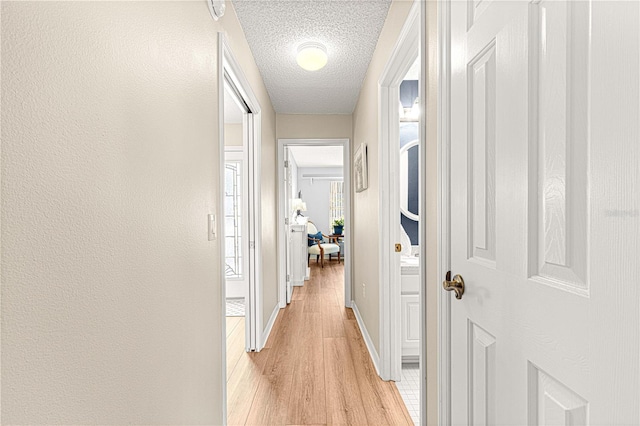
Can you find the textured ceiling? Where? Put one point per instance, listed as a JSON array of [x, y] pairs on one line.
[[348, 28]]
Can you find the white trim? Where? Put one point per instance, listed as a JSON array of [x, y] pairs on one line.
[[280, 239], [220, 241], [400, 61], [367, 339], [267, 330], [423, 228], [348, 193], [444, 227]]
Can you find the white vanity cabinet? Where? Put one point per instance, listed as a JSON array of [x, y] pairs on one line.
[[298, 235], [410, 327]]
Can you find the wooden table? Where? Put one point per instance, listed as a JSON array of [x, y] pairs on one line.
[[335, 238]]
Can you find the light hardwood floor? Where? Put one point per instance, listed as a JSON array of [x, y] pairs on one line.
[[314, 369]]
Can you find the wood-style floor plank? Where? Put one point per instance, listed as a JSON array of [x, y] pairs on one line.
[[298, 293], [235, 345], [271, 400], [285, 352], [344, 403], [232, 323], [315, 368], [308, 404], [379, 401], [241, 389]]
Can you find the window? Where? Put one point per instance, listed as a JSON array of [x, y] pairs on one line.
[[336, 201], [232, 219]]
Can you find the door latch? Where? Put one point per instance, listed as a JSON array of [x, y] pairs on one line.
[[457, 285]]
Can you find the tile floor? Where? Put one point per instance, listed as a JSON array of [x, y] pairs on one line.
[[235, 307], [409, 388]]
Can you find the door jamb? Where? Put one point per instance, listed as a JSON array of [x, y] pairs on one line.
[[444, 225], [404, 54], [346, 144], [252, 123]]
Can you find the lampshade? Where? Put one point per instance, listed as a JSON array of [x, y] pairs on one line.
[[298, 204], [312, 56]]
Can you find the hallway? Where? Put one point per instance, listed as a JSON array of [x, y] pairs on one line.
[[314, 369]]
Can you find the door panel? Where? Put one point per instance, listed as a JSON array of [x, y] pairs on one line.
[[482, 376], [552, 403], [545, 212], [559, 57], [410, 324], [482, 118]]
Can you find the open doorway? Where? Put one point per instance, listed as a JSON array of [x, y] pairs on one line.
[[235, 226], [402, 220], [408, 171], [314, 204], [238, 229]]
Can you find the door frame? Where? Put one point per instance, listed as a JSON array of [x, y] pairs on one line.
[[444, 209], [227, 64], [404, 54], [282, 230]]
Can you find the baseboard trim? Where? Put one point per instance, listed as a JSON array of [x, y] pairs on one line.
[[267, 330], [373, 354]]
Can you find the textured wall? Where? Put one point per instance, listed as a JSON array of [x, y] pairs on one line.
[[110, 289], [304, 126], [366, 221], [233, 134]]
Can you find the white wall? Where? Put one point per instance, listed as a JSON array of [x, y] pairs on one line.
[[111, 309], [365, 206], [317, 195]]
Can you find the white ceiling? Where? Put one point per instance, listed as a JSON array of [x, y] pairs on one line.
[[232, 112], [317, 156], [348, 28]]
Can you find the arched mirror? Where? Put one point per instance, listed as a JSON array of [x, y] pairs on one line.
[[409, 193]]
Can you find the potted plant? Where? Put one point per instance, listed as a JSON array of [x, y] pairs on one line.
[[338, 226]]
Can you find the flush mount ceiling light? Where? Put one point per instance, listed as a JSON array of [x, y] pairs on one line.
[[216, 8], [312, 56]]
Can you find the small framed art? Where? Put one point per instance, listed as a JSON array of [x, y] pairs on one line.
[[360, 168]]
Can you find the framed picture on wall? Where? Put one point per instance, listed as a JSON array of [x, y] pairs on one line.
[[360, 168]]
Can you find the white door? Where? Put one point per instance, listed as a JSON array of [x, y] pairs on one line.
[[287, 208], [545, 212]]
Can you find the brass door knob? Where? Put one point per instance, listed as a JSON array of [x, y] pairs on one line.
[[457, 285]]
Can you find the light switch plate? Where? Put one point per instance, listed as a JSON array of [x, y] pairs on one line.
[[212, 226]]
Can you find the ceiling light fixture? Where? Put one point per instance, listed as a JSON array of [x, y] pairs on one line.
[[312, 56]]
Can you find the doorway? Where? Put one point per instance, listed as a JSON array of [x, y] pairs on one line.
[[239, 229], [314, 195], [235, 227], [403, 255]]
